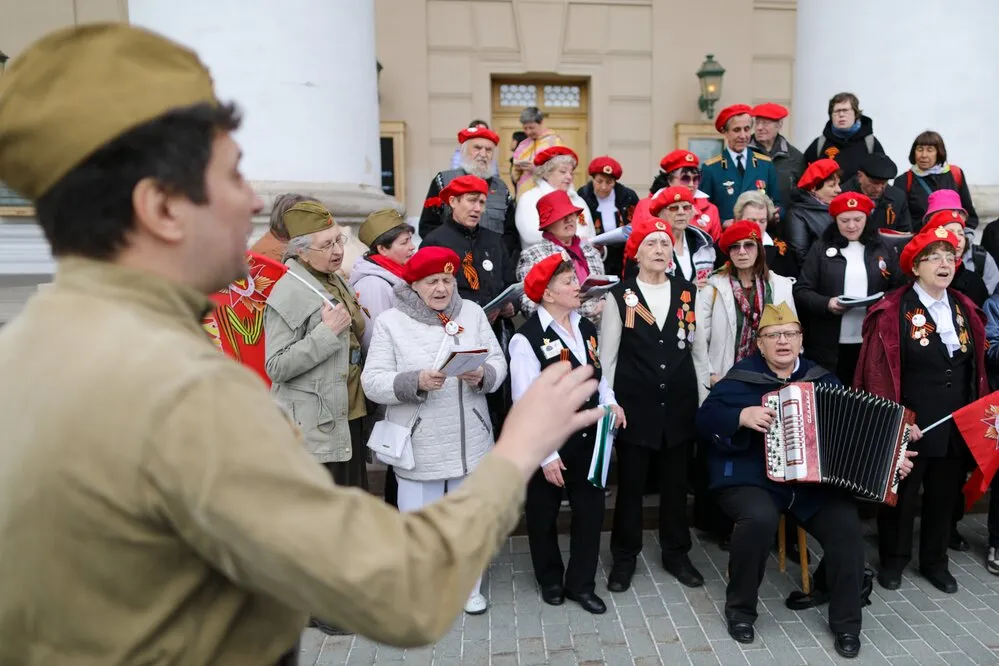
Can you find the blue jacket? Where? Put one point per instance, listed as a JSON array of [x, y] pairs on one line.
[[721, 169], [736, 455], [991, 308]]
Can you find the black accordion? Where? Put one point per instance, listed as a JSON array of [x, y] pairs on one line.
[[838, 436]]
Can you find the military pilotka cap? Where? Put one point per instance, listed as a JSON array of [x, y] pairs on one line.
[[378, 223], [307, 217], [774, 315], [77, 89]]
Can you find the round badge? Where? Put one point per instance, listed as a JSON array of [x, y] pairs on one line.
[[487, 265], [705, 218], [631, 300], [681, 345], [918, 320], [924, 342], [831, 252], [451, 328], [882, 265]]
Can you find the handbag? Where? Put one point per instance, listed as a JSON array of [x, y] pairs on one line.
[[392, 443]]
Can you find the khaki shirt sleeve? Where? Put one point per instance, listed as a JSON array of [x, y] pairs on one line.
[[226, 471]]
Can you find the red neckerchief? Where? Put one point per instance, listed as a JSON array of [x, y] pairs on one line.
[[386, 263], [575, 250]]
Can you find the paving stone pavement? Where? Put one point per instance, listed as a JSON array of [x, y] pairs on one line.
[[658, 621]]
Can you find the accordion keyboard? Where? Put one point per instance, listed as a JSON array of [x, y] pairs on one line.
[[776, 462]]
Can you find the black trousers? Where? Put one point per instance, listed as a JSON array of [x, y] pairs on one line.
[[542, 508], [941, 480], [353, 472], [837, 528], [633, 464], [707, 516]]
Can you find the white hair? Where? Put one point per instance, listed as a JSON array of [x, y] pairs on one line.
[[470, 166], [297, 245], [548, 168]]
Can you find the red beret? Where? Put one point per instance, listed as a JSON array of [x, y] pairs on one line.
[[770, 111], [920, 242], [942, 218], [478, 133], [553, 207], [669, 196], [606, 165], [430, 261], [851, 201], [554, 151], [679, 159], [817, 173], [737, 231], [728, 112], [643, 224], [540, 275], [463, 185]]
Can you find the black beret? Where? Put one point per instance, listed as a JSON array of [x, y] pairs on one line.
[[879, 167]]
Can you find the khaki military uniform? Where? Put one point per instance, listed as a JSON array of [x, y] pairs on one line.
[[155, 506]]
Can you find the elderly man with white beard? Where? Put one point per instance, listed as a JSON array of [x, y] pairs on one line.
[[478, 147]]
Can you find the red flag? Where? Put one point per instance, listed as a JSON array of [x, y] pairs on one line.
[[237, 324], [978, 423]]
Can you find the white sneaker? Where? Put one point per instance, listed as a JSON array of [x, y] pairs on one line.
[[476, 604], [992, 561]]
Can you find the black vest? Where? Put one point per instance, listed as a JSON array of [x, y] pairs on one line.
[[933, 383], [654, 381], [497, 201], [578, 449]]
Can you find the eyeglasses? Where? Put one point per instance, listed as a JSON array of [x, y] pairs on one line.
[[787, 335], [328, 246], [688, 178], [744, 246], [841, 112], [938, 258], [676, 208]]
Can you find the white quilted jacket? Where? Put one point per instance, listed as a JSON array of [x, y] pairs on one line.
[[453, 430]]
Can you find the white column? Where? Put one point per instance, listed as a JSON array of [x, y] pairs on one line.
[[915, 65]]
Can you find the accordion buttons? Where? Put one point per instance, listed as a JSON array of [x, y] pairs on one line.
[[948, 385], [584, 435], [948, 372], [662, 386], [662, 366]]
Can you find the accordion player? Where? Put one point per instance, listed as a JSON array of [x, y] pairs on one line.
[[838, 436]]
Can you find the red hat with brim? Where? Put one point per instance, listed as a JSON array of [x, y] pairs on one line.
[[679, 159], [851, 201], [553, 207], [817, 173], [670, 195], [463, 185], [942, 218], [537, 279], [605, 165], [430, 261], [729, 112], [739, 231], [554, 151], [920, 242], [642, 225], [769, 111], [478, 133]]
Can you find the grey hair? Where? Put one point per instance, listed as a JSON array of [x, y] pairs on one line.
[[548, 168], [753, 198], [297, 245], [531, 114], [281, 205]]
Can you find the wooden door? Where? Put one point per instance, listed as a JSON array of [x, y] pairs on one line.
[[565, 103]]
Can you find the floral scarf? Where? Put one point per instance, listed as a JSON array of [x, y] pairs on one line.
[[748, 308]]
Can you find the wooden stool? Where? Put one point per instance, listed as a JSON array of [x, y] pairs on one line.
[[806, 582]]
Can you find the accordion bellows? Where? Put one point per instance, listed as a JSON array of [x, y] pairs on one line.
[[837, 436]]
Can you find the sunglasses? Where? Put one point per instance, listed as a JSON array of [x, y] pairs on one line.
[[744, 246]]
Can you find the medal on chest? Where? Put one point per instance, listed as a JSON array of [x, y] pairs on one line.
[[920, 328], [633, 306], [487, 265], [883, 267], [452, 328], [686, 321], [963, 336], [591, 348], [550, 349], [729, 186]]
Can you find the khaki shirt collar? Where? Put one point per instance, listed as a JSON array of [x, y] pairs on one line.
[[162, 298]]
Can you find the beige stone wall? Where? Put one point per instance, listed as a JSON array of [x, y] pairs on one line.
[[24, 21], [639, 56]]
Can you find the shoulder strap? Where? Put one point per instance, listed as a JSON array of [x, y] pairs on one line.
[[869, 140], [978, 255], [819, 146], [908, 181], [958, 176]]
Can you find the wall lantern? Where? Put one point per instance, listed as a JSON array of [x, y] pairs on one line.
[[710, 77]]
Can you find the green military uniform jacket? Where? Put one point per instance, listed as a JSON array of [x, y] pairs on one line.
[[721, 182], [156, 507]]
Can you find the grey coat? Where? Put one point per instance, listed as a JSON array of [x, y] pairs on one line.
[[307, 364]]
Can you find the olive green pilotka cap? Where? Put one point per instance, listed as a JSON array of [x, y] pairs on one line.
[[79, 88], [307, 217], [378, 223]]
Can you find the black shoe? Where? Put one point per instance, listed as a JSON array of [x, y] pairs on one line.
[[553, 595], [684, 571], [590, 602], [890, 579], [798, 600], [942, 580], [327, 629], [741, 631], [958, 542], [619, 579], [847, 645]]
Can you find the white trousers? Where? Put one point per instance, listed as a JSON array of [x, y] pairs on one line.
[[414, 495]]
